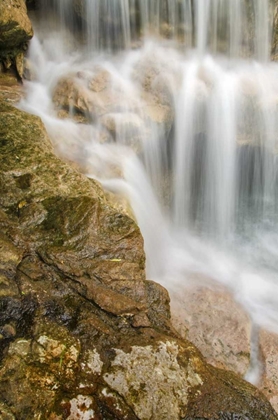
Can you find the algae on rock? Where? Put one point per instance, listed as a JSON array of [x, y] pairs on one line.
[[82, 332], [15, 32]]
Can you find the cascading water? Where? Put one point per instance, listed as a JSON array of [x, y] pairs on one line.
[[232, 27], [180, 101]]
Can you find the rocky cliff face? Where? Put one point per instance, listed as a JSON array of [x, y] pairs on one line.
[[83, 334]]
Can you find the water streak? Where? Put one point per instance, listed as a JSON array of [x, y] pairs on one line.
[[238, 27]]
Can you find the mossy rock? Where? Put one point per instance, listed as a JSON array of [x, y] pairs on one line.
[[15, 26], [82, 333], [15, 33]]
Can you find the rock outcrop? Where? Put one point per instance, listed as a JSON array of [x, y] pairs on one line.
[[15, 32], [83, 335]]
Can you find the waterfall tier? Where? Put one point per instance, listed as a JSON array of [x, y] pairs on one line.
[[186, 130], [236, 28]]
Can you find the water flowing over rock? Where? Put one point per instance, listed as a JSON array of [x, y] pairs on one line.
[[172, 106], [82, 333], [235, 28], [216, 324], [92, 95]]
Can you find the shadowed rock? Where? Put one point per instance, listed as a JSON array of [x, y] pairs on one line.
[[82, 333], [15, 31]]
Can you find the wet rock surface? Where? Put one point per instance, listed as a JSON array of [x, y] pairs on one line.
[[95, 96], [82, 333], [216, 324], [268, 343]]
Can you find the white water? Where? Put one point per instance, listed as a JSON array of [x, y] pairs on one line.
[[203, 188]]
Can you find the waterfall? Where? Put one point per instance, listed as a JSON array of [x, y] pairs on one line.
[[179, 112], [239, 27]]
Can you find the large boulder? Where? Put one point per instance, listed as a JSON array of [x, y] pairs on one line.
[[15, 32], [83, 335], [95, 95]]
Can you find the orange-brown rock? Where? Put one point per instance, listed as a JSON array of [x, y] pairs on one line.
[[268, 343], [82, 333], [216, 324], [89, 96]]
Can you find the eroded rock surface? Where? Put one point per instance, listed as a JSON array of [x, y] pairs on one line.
[[95, 96], [269, 353], [216, 324], [82, 333], [15, 31], [158, 374], [10, 90], [274, 46]]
